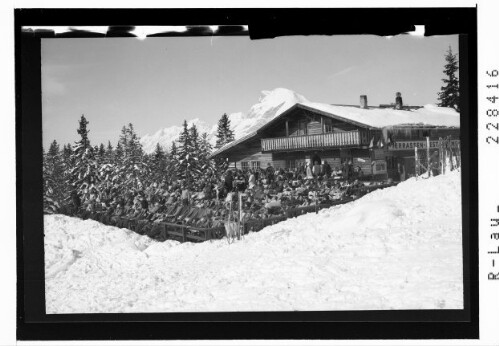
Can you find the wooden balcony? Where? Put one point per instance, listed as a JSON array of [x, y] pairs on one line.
[[326, 140]]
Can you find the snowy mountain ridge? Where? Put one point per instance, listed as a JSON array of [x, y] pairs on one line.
[[270, 104]]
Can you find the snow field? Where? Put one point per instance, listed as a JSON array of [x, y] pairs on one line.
[[397, 248]]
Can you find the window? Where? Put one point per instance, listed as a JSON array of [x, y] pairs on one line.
[[379, 167], [255, 164], [244, 165], [302, 128], [328, 125], [291, 164]]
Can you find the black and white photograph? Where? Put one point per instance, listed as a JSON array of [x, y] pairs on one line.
[[224, 174]]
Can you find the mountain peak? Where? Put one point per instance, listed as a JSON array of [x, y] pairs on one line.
[[271, 103], [278, 95]]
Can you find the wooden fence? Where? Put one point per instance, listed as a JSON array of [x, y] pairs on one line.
[[326, 140]]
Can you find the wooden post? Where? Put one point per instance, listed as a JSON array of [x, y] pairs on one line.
[[428, 154], [443, 152], [316, 206], [241, 231], [322, 124], [416, 166], [287, 128]]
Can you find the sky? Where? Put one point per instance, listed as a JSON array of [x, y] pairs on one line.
[[159, 82]]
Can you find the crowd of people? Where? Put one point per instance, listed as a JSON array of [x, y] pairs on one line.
[[209, 202]]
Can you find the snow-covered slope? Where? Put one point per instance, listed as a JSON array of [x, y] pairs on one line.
[[270, 104], [398, 248]]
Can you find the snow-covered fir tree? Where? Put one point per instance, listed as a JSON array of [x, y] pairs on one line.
[[109, 153], [449, 94], [50, 203], [131, 167], [119, 153], [53, 176], [123, 141], [159, 164], [205, 150], [173, 162], [195, 162], [83, 174], [66, 153], [187, 158], [54, 161], [100, 153], [224, 133], [134, 148]]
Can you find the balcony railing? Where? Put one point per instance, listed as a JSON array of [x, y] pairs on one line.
[[326, 140]]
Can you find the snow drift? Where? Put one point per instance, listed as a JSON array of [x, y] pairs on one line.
[[397, 248]]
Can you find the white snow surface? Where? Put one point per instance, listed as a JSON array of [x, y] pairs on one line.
[[397, 248], [383, 117], [270, 104]]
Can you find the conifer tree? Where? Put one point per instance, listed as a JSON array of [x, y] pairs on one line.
[[102, 150], [54, 160], [449, 94], [84, 142], [158, 163], [134, 148], [67, 161], [131, 166], [224, 133], [194, 137], [123, 141], [173, 151], [159, 154], [119, 153], [173, 162], [83, 173], [66, 153], [53, 175], [195, 155], [109, 153], [205, 149], [185, 158], [50, 203]]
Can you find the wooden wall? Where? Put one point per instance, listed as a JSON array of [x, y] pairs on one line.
[[314, 126], [335, 157], [250, 151], [405, 134]]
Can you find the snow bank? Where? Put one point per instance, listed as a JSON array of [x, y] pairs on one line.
[[397, 248]]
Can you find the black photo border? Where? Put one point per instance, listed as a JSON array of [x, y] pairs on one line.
[[32, 321]]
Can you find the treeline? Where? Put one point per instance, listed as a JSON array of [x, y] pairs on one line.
[[82, 168]]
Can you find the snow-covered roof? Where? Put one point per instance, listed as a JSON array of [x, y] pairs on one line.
[[375, 118], [233, 143], [430, 115]]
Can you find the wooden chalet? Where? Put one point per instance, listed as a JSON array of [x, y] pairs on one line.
[[375, 139]]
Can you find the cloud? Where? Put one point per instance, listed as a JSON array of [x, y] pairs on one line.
[[342, 72]]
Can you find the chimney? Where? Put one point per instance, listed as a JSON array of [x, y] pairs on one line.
[[398, 101], [363, 101]]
